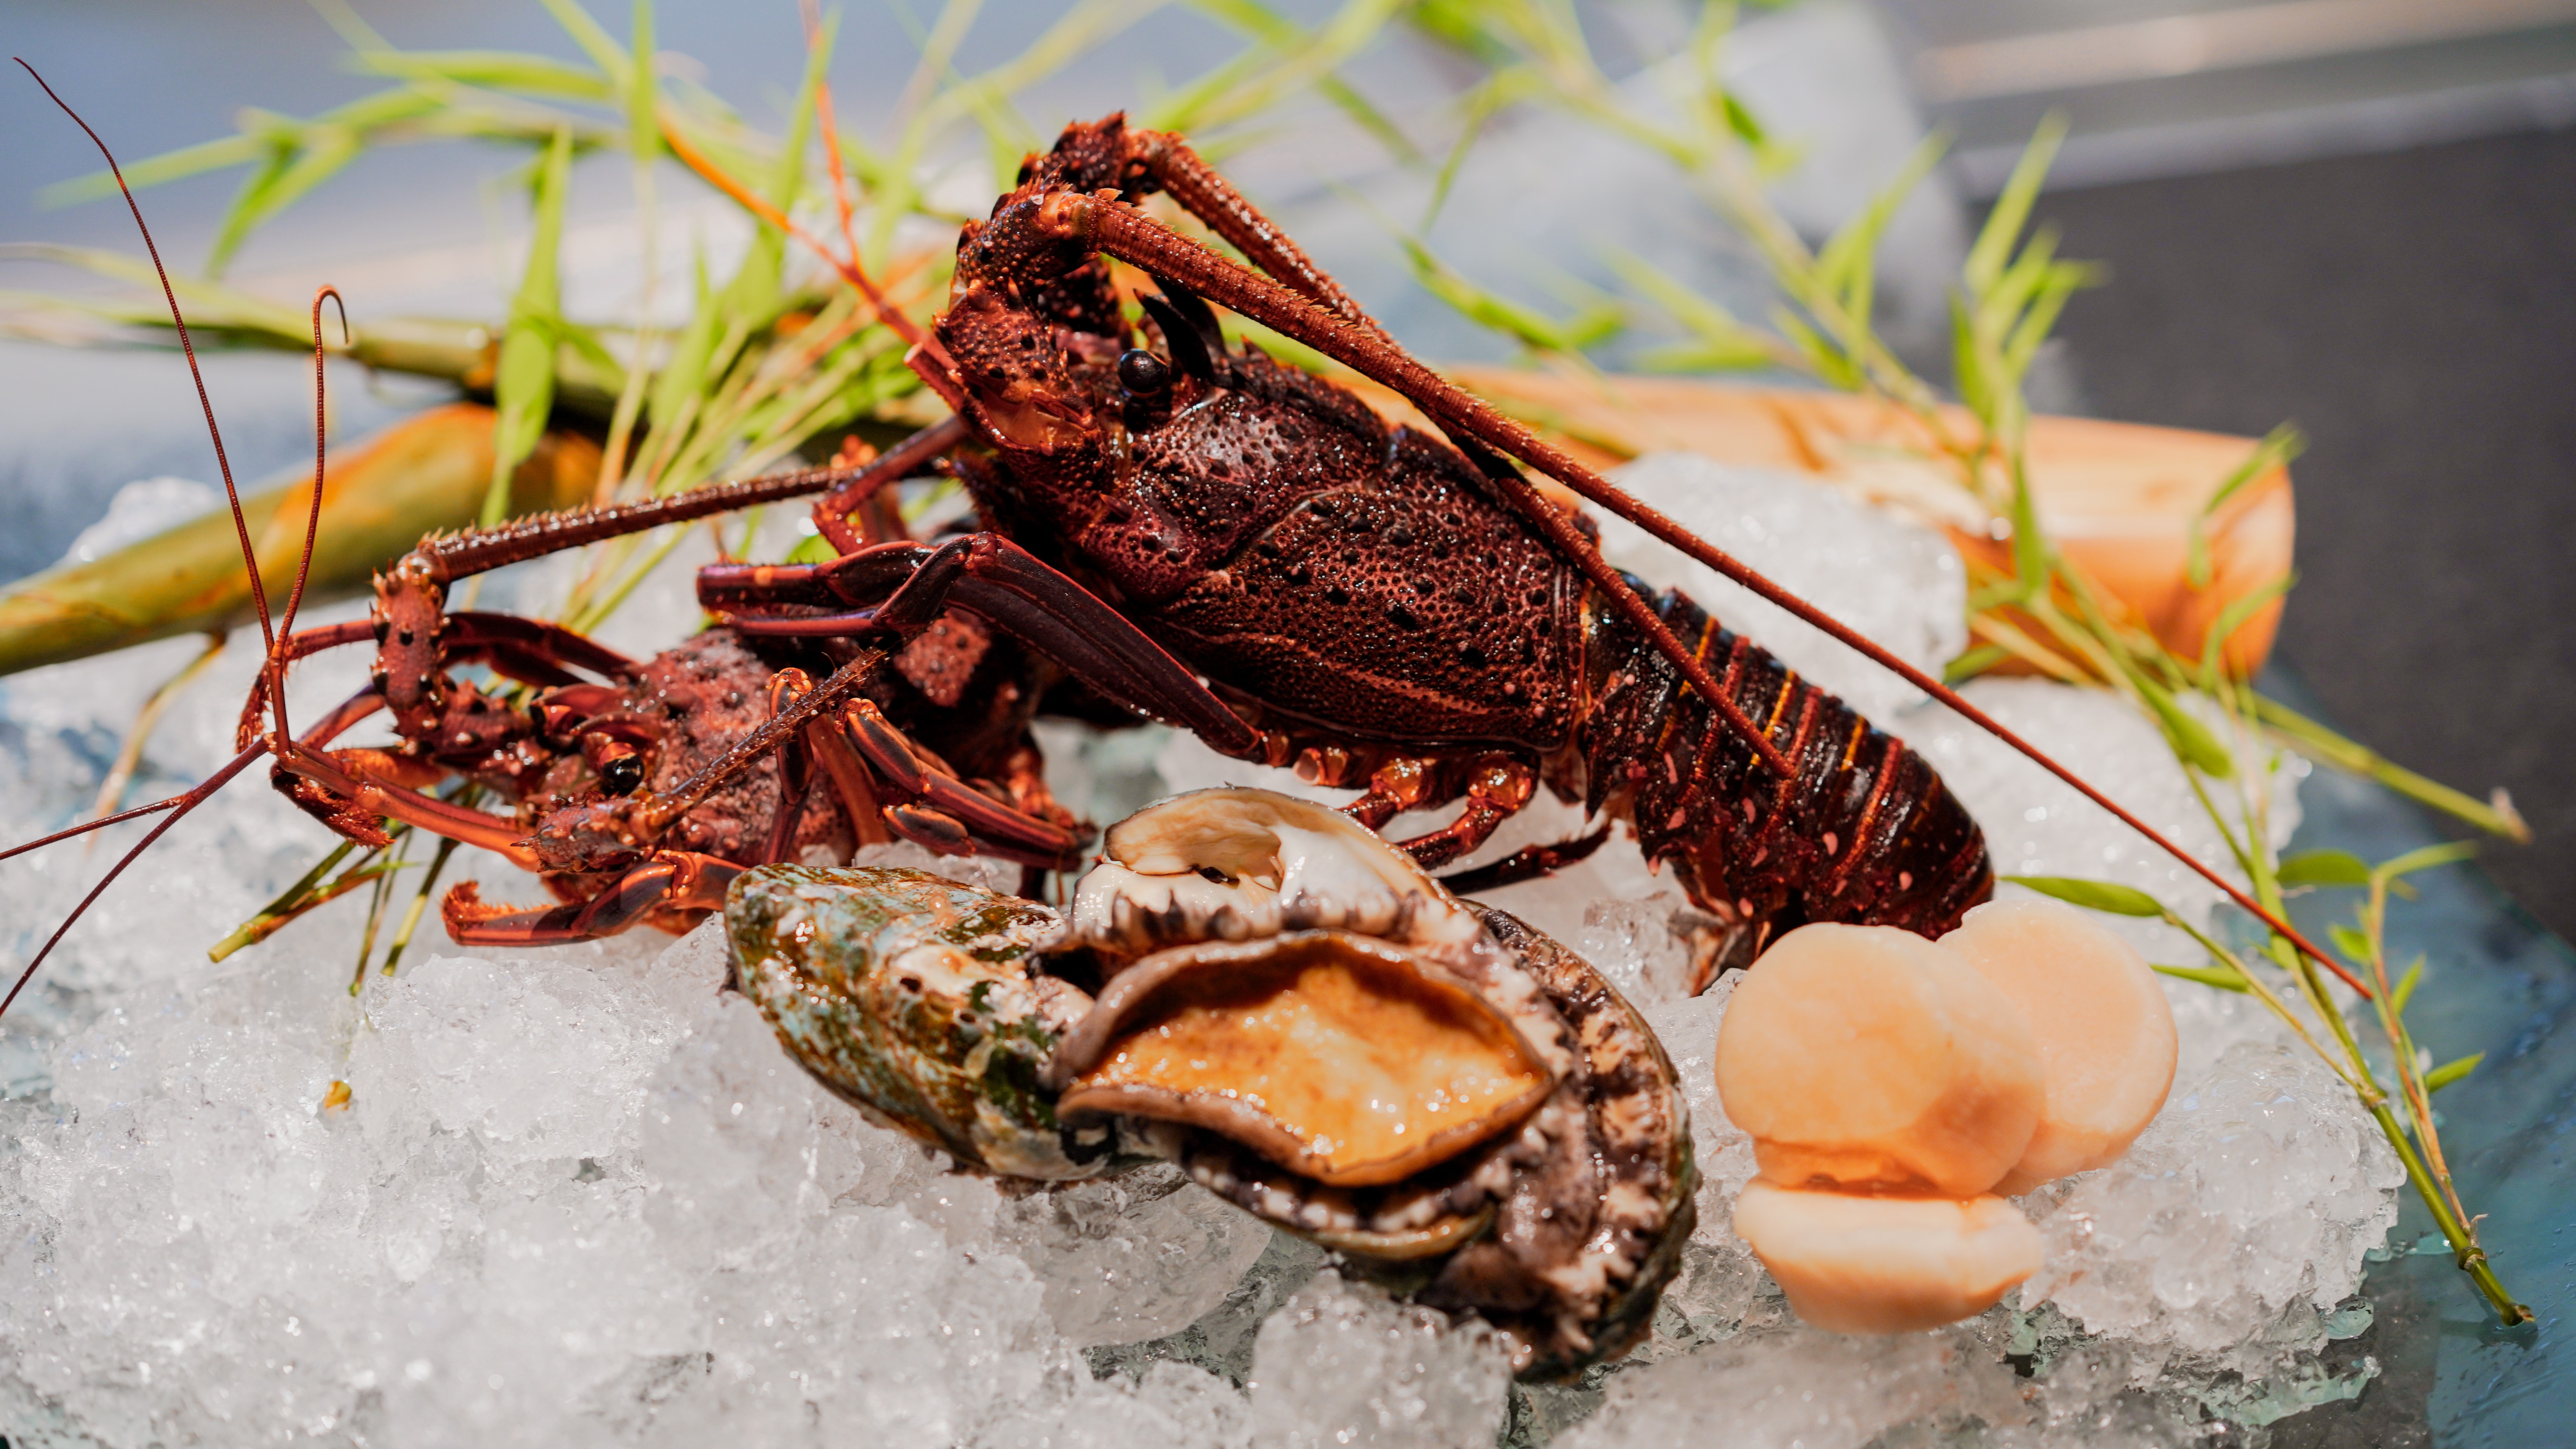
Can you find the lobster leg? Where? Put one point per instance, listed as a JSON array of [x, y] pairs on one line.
[[795, 768], [530, 650], [668, 880], [1527, 863], [997, 580], [1495, 795], [931, 808], [353, 778]]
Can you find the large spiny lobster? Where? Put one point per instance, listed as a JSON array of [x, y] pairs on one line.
[[1374, 605]]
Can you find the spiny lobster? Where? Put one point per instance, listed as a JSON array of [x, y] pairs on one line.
[[1374, 605]]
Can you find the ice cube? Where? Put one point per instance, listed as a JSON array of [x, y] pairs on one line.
[[1341, 1364], [2238, 1219]]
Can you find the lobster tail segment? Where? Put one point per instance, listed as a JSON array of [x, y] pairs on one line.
[[1862, 832]]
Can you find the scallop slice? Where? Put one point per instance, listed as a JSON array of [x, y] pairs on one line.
[[1339, 1057], [2103, 1029], [1856, 1264], [1868, 1057]]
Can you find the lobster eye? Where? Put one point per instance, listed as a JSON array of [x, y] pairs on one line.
[[1143, 374], [620, 776]]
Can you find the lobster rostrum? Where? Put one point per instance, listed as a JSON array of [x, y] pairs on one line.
[[1265, 993]]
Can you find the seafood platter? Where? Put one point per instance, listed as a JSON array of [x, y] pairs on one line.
[[1043, 836]]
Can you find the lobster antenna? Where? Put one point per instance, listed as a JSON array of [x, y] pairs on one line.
[[823, 120], [241, 527], [183, 804], [850, 270], [86, 826], [275, 668], [178, 806]]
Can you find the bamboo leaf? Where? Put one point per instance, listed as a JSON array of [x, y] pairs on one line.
[[2097, 895], [643, 128], [499, 70], [2190, 738], [2350, 942], [2225, 978], [1974, 662], [1847, 265], [1531, 327], [322, 152], [2427, 858], [595, 42], [2029, 545], [2404, 991], [523, 384], [2324, 868], [1723, 342], [2452, 1071], [2012, 206], [1826, 360], [2278, 448], [2239, 612]]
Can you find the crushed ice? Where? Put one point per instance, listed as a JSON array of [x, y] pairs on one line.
[[580, 1195]]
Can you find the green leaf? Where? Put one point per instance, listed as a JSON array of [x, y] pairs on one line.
[[686, 369], [1847, 265], [499, 70], [2427, 858], [1828, 361], [1742, 123], [2350, 942], [2029, 544], [523, 385], [814, 548], [2404, 990], [2225, 978], [1974, 662], [1533, 328], [2239, 611], [2012, 206], [643, 127], [2278, 447], [2324, 868], [2449, 1072], [1723, 343], [2097, 895], [597, 43], [2190, 738], [318, 156]]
